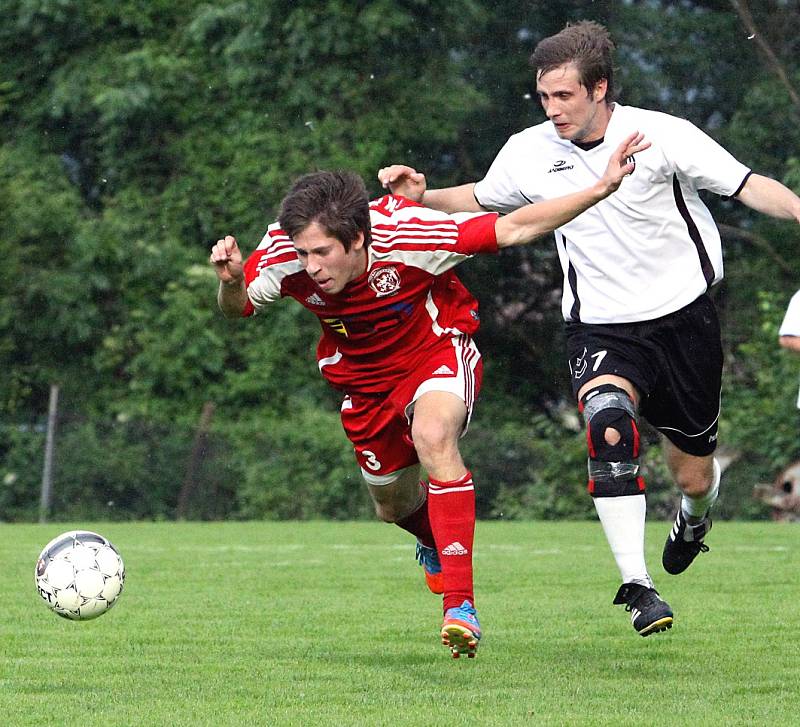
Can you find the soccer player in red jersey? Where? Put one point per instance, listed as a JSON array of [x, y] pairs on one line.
[[396, 340]]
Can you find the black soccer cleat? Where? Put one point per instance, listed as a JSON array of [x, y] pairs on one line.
[[649, 612], [685, 541]]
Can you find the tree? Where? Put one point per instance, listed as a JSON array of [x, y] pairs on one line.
[[136, 133]]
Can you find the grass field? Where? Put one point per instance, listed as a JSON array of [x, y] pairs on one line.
[[330, 624]]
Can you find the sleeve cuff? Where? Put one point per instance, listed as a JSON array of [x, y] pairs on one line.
[[741, 186]]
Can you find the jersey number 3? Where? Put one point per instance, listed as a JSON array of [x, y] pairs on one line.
[[372, 461]]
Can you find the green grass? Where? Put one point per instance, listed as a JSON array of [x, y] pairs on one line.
[[330, 624]]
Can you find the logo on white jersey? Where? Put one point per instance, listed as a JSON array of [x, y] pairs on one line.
[[443, 371], [314, 299], [384, 281], [560, 166], [455, 549]]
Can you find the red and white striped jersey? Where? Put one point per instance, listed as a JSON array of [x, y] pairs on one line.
[[407, 302]]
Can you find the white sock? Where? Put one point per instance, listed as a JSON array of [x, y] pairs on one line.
[[623, 523], [697, 507]]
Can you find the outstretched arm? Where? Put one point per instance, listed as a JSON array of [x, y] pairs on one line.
[[769, 196], [407, 182], [453, 199], [533, 220], [227, 261]]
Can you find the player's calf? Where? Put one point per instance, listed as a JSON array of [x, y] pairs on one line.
[[692, 523], [618, 492]]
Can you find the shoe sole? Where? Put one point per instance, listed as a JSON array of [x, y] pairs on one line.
[[675, 570], [661, 625], [460, 640]]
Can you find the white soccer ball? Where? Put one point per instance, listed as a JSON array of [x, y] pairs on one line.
[[80, 575]]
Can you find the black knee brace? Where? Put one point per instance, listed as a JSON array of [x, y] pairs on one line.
[[613, 469]]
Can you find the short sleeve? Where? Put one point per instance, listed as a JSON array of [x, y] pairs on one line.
[[265, 269], [476, 233], [499, 190], [702, 161], [431, 240]]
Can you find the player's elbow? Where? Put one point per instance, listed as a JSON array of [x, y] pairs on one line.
[[792, 343], [509, 234]]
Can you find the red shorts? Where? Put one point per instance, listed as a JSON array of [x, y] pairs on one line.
[[380, 426]]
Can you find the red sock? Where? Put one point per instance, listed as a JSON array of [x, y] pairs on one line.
[[417, 523], [451, 507]]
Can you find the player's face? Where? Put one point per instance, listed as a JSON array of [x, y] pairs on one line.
[[577, 114], [326, 261]]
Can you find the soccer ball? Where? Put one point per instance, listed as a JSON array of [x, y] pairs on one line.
[[80, 575]]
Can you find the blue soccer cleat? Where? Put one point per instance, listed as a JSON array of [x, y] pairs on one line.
[[461, 630], [428, 558]]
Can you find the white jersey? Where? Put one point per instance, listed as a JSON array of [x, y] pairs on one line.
[[791, 322], [651, 247]]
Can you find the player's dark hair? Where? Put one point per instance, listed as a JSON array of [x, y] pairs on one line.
[[586, 44], [336, 201]]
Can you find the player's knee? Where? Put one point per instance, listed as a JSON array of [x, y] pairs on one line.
[[612, 436], [433, 440], [694, 484], [388, 512], [613, 441], [397, 494], [398, 508]]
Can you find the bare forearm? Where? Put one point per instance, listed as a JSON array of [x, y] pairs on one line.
[[770, 197], [534, 220], [232, 298], [790, 342], [452, 199]]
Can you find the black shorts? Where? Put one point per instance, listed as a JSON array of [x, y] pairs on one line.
[[674, 361]]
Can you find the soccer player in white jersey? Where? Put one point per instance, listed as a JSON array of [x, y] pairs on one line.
[[396, 340], [642, 335]]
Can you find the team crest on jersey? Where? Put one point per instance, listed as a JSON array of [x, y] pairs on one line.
[[384, 281]]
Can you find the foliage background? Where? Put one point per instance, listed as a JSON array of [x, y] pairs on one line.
[[133, 134]]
